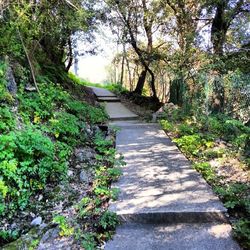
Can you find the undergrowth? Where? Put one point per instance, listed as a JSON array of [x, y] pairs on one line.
[[197, 137], [36, 142]]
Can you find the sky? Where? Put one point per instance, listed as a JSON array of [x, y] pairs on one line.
[[93, 67]]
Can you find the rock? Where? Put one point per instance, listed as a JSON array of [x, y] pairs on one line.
[[70, 173], [51, 241], [84, 154], [96, 129], [78, 166], [37, 221], [30, 88], [84, 176], [32, 215], [43, 225], [40, 197], [51, 234], [11, 83], [13, 226]]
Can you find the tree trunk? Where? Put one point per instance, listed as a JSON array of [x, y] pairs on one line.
[[152, 84], [218, 97], [129, 74], [141, 81], [71, 58], [122, 70]]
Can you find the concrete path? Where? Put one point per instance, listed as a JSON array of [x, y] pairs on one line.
[[163, 202], [114, 108], [100, 92]]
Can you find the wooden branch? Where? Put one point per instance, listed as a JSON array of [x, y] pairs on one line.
[[29, 61]]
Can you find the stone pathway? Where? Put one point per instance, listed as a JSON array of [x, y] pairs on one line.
[[114, 108], [163, 202]]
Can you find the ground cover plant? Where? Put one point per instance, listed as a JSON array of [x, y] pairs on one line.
[[217, 145], [39, 132]]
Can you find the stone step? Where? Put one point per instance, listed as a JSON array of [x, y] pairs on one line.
[[118, 111], [155, 217], [158, 182], [198, 236], [108, 99], [100, 92]]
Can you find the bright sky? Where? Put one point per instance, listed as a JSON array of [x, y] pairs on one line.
[[93, 67]]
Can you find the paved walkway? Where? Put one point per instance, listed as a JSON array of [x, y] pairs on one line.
[[114, 108], [163, 203]]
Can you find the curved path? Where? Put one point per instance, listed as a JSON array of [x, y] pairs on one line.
[[163, 202]]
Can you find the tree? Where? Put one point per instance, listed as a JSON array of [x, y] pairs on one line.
[[140, 21]]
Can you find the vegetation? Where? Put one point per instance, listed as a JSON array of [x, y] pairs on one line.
[[213, 143], [193, 54]]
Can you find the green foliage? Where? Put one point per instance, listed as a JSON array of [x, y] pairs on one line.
[[190, 144], [166, 125], [116, 88], [226, 127], [186, 129], [87, 112], [109, 221], [89, 242], [206, 170], [102, 145], [8, 235], [234, 196], [65, 229], [7, 119], [81, 81], [212, 154], [41, 107], [242, 232], [28, 160], [64, 124]]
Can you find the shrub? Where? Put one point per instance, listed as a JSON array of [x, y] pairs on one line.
[[166, 125], [7, 120], [190, 144], [64, 123], [206, 170], [28, 160], [109, 221], [234, 196], [186, 129], [87, 112], [242, 232]]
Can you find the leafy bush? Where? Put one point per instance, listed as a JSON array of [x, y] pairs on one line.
[[235, 196], [242, 232], [211, 154], [186, 129], [64, 123], [28, 160], [109, 221], [190, 144], [65, 229], [87, 112], [7, 120], [166, 125], [206, 170]]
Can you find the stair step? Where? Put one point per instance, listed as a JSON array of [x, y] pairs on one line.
[[183, 236], [108, 99]]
